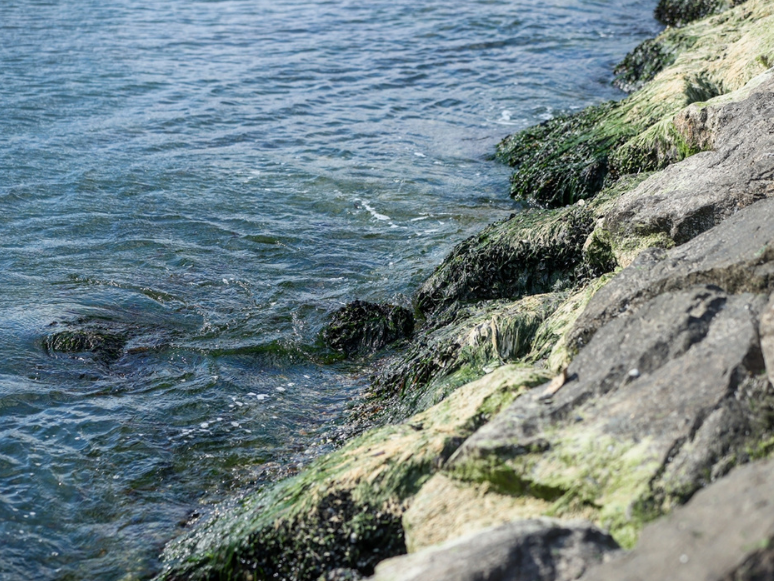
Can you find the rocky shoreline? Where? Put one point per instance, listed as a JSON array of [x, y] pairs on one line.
[[602, 360]]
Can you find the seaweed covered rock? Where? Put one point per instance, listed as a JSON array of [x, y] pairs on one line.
[[481, 338], [565, 158], [344, 510], [362, 327], [725, 533], [529, 550], [650, 57], [668, 392], [533, 252], [681, 12], [573, 156], [102, 340]]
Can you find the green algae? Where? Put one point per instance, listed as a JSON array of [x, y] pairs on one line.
[[344, 509], [572, 157], [578, 472], [549, 344], [481, 338]]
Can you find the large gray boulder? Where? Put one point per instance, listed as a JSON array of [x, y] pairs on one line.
[[692, 196], [725, 533], [530, 550], [737, 256]]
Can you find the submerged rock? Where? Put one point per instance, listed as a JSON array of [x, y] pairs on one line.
[[362, 327], [529, 550], [725, 533], [103, 341]]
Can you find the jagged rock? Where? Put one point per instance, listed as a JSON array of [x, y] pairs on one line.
[[362, 327], [736, 256], [694, 195], [665, 398], [529, 550], [725, 533]]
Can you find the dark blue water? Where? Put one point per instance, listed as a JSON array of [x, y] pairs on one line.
[[217, 176]]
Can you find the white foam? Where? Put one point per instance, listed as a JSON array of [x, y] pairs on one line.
[[373, 212]]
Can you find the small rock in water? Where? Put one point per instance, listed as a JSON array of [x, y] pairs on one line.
[[361, 327]]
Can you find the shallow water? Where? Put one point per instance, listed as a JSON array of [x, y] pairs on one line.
[[217, 176]]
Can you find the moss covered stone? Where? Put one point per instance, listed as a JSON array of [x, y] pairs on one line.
[[571, 157], [101, 340], [362, 327]]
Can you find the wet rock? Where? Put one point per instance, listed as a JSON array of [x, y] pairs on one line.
[[103, 341], [439, 360], [642, 64], [681, 12], [345, 509], [533, 252], [725, 533], [362, 327], [529, 550], [666, 397], [694, 195], [573, 157]]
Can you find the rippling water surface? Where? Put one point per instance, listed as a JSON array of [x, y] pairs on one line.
[[215, 177]]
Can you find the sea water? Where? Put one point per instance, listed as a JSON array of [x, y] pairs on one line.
[[218, 176]]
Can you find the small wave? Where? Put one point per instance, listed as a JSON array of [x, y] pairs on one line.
[[373, 212]]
